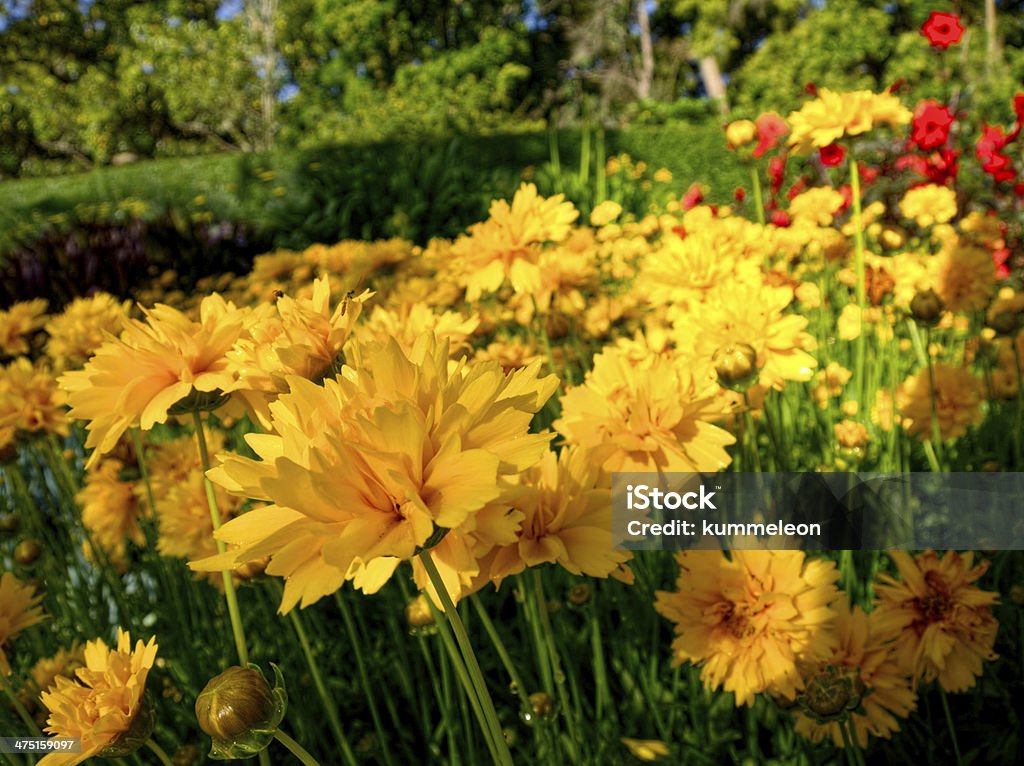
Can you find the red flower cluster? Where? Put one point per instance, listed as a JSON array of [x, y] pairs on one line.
[[942, 29], [930, 134], [770, 128], [994, 139]]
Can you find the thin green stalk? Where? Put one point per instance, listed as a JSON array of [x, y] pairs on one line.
[[952, 728], [851, 759], [755, 180], [295, 748], [364, 678], [159, 753], [599, 160], [476, 676], [542, 331], [936, 430], [19, 708], [229, 586], [330, 707], [499, 647], [858, 246], [584, 173], [556, 663]]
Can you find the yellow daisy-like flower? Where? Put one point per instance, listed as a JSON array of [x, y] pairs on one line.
[[957, 395], [82, 328], [104, 703], [17, 323], [507, 245], [19, 609], [304, 338], [753, 315], [832, 116], [44, 673], [929, 204], [30, 400], [135, 380], [748, 621], [657, 418], [407, 322], [370, 464], [941, 623], [963, 275], [816, 206], [861, 679], [567, 520], [110, 513], [605, 213]]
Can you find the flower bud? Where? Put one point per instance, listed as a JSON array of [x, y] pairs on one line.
[[418, 613], [736, 366], [9, 523], [240, 711], [1005, 322], [831, 695], [580, 594], [926, 307], [542, 706], [27, 551], [740, 133]]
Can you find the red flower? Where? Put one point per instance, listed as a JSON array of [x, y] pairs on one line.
[[781, 218], [999, 259], [797, 188], [811, 89], [1018, 189], [988, 150], [770, 128], [942, 29], [867, 174], [847, 192], [1018, 109], [679, 230], [831, 155], [739, 194], [931, 125], [693, 197]]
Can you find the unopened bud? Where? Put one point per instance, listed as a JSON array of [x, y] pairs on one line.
[[736, 366], [580, 594], [418, 613], [926, 307], [9, 523], [240, 711], [27, 551]]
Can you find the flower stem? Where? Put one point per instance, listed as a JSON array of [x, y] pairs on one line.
[[858, 248], [755, 180], [22, 712], [952, 728], [556, 663], [353, 637], [229, 585], [503, 654], [296, 749], [159, 753], [469, 657], [330, 708]]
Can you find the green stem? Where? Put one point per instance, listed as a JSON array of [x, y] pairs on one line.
[[858, 246], [556, 663], [353, 637], [330, 708], [475, 674], [952, 728], [22, 712], [542, 331], [755, 180], [229, 585], [296, 749], [503, 654], [159, 752]]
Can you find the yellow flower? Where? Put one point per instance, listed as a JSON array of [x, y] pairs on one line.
[[606, 212], [832, 115], [957, 397], [740, 133], [862, 677], [816, 206], [663, 176], [17, 323], [82, 327], [43, 674], [752, 315], [656, 418], [156, 364], [30, 400], [963, 275], [567, 520], [851, 434], [941, 623], [645, 749], [19, 609], [929, 204], [105, 702], [304, 338], [407, 322], [369, 465], [110, 513], [507, 245], [747, 621]]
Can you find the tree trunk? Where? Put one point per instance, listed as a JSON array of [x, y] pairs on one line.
[[260, 15], [714, 84], [643, 85], [991, 42]]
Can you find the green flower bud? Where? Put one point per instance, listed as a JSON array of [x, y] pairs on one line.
[[240, 711], [926, 307], [736, 366]]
